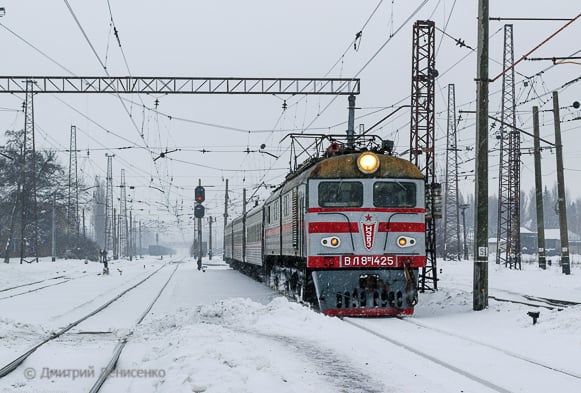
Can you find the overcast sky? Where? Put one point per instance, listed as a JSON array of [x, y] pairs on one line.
[[265, 38]]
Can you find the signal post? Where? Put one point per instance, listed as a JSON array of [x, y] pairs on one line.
[[200, 197]]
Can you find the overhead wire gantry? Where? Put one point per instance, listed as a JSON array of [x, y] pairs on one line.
[[32, 85], [180, 85]]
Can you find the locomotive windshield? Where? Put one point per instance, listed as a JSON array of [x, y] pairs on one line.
[[340, 194], [394, 194]]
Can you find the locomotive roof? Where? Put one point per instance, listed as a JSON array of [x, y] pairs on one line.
[[345, 166]]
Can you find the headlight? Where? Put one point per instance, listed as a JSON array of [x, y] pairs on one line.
[[405, 241], [368, 162], [332, 241]]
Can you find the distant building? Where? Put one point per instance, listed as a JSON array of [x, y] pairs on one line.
[[161, 250], [528, 242], [553, 242]]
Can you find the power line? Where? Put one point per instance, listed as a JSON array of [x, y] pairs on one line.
[[107, 72], [84, 34], [530, 19], [37, 49], [536, 47]]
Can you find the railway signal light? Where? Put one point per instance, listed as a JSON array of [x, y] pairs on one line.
[[200, 194], [199, 210]]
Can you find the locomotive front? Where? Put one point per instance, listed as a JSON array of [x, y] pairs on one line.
[[365, 227]]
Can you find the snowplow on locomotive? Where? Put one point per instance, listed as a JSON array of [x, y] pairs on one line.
[[345, 232]]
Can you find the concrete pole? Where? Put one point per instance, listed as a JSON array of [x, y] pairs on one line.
[[210, 238], [561, 188], [53, 243], [130, 237], [539, 191], [480, 291], [225, 213], [115, 240], [244, 225], [465, 244]]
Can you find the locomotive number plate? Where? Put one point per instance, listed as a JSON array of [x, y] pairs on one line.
[[369, 261]]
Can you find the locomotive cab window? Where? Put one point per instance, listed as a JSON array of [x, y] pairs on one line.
[[394, 194], [340, 194]]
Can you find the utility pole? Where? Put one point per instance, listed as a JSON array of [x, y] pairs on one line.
[[210, 221], [452, 248], [539, 191], [53, 242], [10, 239], [226, 207], [561, 188], [480, 291], [465, 246], [140, 245], [130, 237], [243, 225], [115, 235]]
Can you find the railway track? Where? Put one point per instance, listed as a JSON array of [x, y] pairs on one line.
[[30, 283], [122, 342], [17, 362], [470, 357], [535, 301], [62, 280], [503, 295]]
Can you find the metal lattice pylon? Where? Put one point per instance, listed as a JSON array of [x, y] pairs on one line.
[[508, 233], [123, 227], [109, 216], [452, 248], [28, 201], [73, 194], [422, 152]]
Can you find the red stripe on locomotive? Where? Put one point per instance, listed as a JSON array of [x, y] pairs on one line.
[[353, 227], [366, 209], [333, 227], [336, 261], [401, 227]]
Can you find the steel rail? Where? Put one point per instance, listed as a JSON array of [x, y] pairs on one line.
[[8, 368], [123, 341]]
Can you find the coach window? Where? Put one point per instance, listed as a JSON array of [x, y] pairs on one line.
[[394, 194], [340, 194], [285, 205]]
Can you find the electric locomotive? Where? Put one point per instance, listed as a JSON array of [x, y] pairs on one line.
[[345, 232]]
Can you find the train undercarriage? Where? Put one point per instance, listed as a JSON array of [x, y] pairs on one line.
[[345, 292]]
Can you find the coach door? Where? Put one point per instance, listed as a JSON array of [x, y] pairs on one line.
[[300, 222]]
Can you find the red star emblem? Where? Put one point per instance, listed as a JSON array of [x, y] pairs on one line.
[[368, 217]]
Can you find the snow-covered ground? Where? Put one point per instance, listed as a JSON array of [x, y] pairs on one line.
[[219, 331]]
